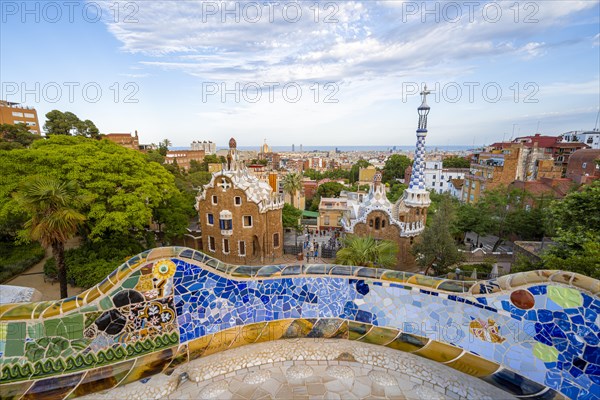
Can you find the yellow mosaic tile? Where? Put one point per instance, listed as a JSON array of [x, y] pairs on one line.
[[408, 343], [222, 340], [105, 286], [40, 308], [5, 307], [380, 336], [586, 283], [149, 365], [474, 365], [91, 295], [562, 277], [299, 328], [248, 334], [394, 276], [21, 311], [52, 311], [102, 378], [14, 391], [423, 280], [180, 357], [356, 330], [274, 330], [439, 352], [196, 347], [162, 252], [68, 304]]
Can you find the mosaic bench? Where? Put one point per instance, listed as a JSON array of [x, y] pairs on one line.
[[535, 335]]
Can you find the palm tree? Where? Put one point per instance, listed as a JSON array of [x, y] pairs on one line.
[[367, 251], [53, 219], [292, 183], [166, 143]]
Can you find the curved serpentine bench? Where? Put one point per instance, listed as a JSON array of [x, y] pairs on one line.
[[533, 334]]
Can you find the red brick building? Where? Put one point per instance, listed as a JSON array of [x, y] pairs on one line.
[[583, 166]]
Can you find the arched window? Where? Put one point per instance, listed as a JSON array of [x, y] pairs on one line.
[[370, 223], [225, 222], [377, 223], [383, 222]]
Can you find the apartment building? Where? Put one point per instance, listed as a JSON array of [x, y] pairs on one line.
[[15, 113]]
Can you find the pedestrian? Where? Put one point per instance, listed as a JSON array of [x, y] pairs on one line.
[[457, 272]]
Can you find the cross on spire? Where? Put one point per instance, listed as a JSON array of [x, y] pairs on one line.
[[424, 93]]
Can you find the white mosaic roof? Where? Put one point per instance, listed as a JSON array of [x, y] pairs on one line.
[[257, 191]]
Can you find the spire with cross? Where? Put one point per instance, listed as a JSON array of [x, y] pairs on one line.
[[423, 112], [418, 193]]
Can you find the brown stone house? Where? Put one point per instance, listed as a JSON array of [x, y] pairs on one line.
[[240, 215]]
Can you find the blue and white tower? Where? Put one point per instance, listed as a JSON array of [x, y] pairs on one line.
[[417, 195]]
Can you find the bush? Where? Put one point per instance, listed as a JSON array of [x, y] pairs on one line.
[[50, 267], [16, 259], [481, 268], [93, 261]]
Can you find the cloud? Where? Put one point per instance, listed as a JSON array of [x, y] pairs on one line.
[[344, 40]]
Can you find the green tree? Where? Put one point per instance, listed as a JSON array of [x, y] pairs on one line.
[[367, 252], [473, 218], [123, 188], [290, 216], [67, 123], [330, 189], [396, 191], [394, 168], [53, 219], [456, 162], [292, 184], [163, 147], [16, 136], [172, 216], [436, 247], [576, 220]]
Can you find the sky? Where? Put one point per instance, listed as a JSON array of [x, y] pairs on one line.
[[311, 73]]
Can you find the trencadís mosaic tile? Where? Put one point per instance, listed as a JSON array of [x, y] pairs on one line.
[[533, 334]]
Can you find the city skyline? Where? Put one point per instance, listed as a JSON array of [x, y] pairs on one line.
[[372, 58]]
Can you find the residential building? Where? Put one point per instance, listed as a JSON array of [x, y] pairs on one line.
[[544, 188], [437, 178], [240, 215], [561, 152], [401, 222], [125, 140], [208, 146], [455, 187], [184, 158], [15, 113], [584, 166], [331, 212], [490, 170], [590, 138], [366, 175]]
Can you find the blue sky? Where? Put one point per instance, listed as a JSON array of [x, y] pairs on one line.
[[175, 58]]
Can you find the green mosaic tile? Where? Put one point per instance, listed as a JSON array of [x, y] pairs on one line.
[[545, 353], [89, 308], [130, 282], [106, 303], [565, 297], [35, 331], [15, 339], [68, 327]]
